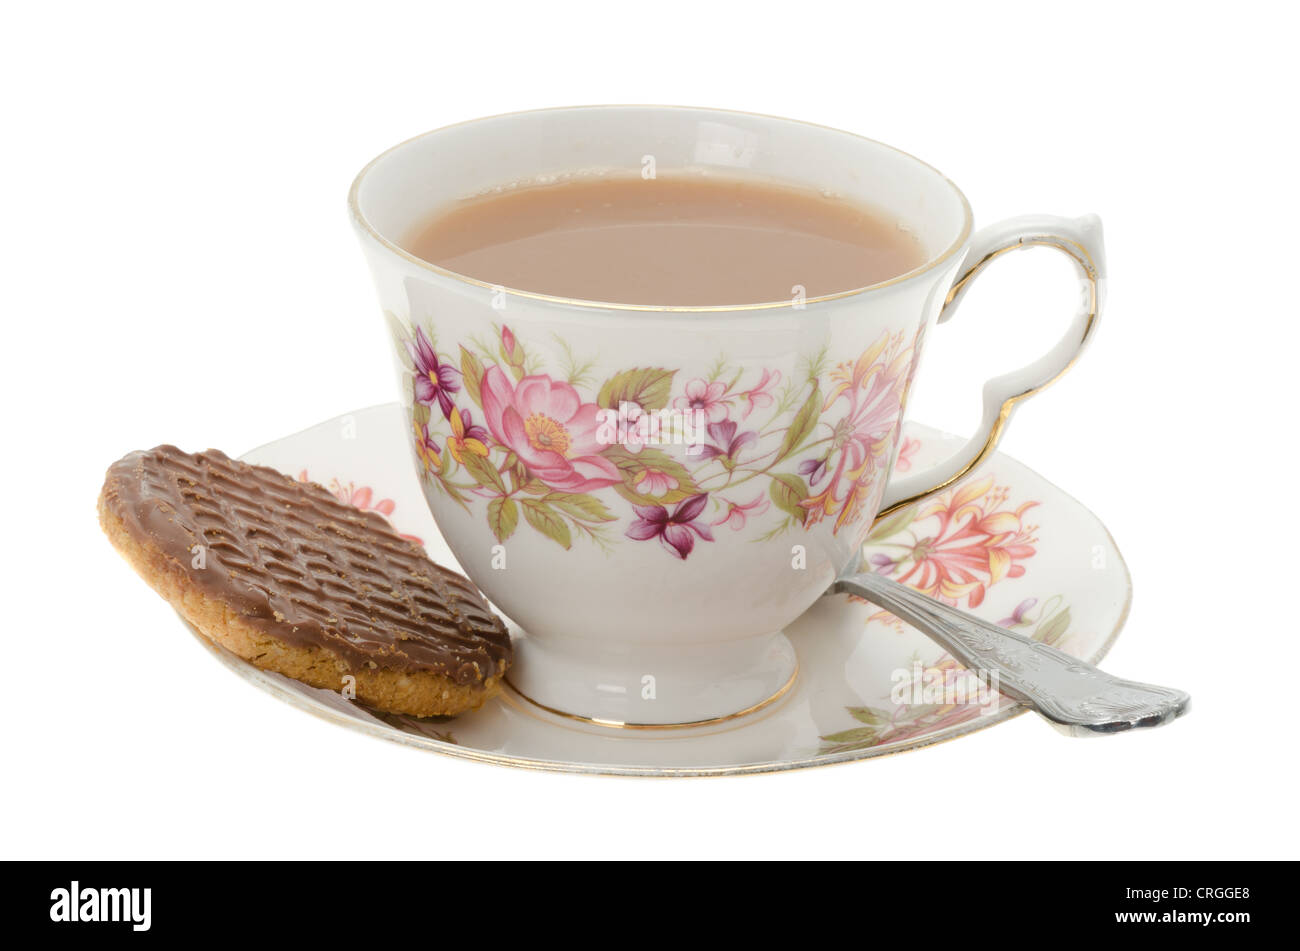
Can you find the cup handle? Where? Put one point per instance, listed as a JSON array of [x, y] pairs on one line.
[[1078, 238]]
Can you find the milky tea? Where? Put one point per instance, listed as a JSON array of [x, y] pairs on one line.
[[677, 239]]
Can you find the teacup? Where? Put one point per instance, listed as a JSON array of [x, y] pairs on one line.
[[652, 572]]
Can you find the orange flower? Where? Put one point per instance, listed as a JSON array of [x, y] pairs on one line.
[[978, 543]]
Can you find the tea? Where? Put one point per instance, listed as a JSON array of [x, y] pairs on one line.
[[679, 239]]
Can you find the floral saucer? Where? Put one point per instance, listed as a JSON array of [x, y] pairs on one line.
[[1003, 543]]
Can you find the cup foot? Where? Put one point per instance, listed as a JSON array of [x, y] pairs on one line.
[[654, 688]]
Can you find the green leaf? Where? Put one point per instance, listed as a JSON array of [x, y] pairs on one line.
[[544, 520], [452, 491], [868, 715], [420, 413], [805, 421], [576, 372], [471, 371], [892, 525], [400, 335], [503, 516], [787, 491], [535, 487], [1051, 630], [856, 735], [483, 472], [648, 387], [582, 507], [631, 464]]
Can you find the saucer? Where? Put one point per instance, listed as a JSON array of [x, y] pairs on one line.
[[1003, 543]]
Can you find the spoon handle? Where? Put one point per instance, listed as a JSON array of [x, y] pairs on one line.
[[1073, 695]]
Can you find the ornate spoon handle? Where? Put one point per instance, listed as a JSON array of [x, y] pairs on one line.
[[1074, 696]]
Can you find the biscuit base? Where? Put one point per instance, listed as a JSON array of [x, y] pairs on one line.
[[419, 693]]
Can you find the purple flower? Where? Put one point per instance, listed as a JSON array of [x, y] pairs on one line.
[[882, 563], [472, 429], [433, 380], [814, 469], [1018, 615], [676, 531], [727, 442]]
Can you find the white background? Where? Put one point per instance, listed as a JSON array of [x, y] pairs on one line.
[[177, 267]]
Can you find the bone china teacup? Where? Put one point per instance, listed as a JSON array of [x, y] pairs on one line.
[[652, 571]]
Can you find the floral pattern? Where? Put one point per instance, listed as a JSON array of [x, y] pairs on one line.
[[537, 446], [852, 679], [899, 722], [957, 545], [860, 443], [677, 531], [363, 497], [545, 424], [434, 381], [905, 453], [954, 548]]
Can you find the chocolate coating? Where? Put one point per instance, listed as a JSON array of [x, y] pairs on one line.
[[294, 561]]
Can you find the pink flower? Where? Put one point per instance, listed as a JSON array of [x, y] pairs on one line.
[[364, 499], [873, 386], [909, 448], [676, 531], [759, 395], [737, 513], [546, 424], [654, 483], [706, 398]]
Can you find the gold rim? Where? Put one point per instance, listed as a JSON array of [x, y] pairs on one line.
[[1080, 255], [364, 225], [689, 724]]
